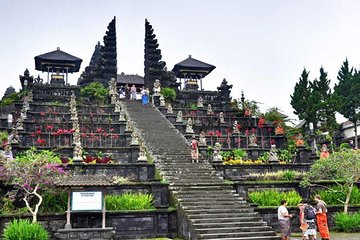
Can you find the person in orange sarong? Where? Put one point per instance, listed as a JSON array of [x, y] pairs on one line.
[[321, 218]]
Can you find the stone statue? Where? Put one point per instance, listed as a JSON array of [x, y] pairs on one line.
[[77, 152], [117, 106], [14, 137], [113, 99], [189, 126], [134, 138], [210, 110], [157, 87], [19, 124], [202, 139], [236, 127], [23, 114], [273, 158], [252, 140], [162, 101], [179, 117], [7, 153], [30, 96], [142, 157], [200, 102], [122, 115], [217, 158], [221, 117], [112, 87], [169, 109]]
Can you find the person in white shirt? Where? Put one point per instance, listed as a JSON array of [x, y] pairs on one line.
[[284, 220]]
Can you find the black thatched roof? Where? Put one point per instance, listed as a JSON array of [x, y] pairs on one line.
[[85, 181], [123, 79], [192, 66], [57, 61]]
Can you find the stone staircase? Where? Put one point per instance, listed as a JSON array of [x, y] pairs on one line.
[[207, 207]]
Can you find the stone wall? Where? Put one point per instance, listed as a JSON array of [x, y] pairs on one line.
[[128, 224]]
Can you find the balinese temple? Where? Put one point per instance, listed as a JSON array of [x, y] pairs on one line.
[[59, 64], [192, 71]]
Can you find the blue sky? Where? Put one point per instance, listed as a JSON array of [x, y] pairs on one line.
[[260, 46]]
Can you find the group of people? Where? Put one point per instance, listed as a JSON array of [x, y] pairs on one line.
[[311, 220], [130, 93]]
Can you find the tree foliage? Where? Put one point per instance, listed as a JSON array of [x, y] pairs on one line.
[[95, 92], [347, 94], [343, 167], [32, 172], [312, 101]]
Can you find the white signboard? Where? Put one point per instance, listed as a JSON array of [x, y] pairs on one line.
[[86, 201]]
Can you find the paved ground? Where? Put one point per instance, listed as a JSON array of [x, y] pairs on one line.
[[334, 236]]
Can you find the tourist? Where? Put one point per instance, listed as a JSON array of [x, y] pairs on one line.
[[127, 92], [303, 225], [284, 221], [321, 218], [133, 92], [324, 152], [145, 96], [194, 150], [121, 92], [309, 219]]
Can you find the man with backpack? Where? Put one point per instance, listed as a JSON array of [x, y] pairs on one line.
[[309, 218]]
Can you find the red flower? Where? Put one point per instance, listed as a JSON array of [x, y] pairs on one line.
[[211, 133], [115, 136], [261, 122], [272, 142], [49, 127], [41, 142], [105, 134], [32, 135], [238, 126], [71, 130], [253, 130], [83, 135], [60, 131], [42, 113], [238, 140], [279, 131], [38, 131], [218, 133], [111, 129], [247, 132], [99, 130]]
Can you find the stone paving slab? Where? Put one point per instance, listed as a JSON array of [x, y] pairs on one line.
[[334, 236]]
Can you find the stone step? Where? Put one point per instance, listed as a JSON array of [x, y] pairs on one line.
[[236, 234], [226, 220], [232, 229], [215, 207], [227, 224], [246, 238], [219, 211], [224, 216], [190, 202]]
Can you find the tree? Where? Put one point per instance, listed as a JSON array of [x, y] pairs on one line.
[[312, 101], [342, 167], [33, 172], [323, 107], [300, 98], [347, 95]]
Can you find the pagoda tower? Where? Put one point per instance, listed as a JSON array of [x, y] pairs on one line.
[[192, 71], [59, 64], [154, 67], [103, 63]]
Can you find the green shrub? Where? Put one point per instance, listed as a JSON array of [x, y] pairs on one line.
[[95, 92], [129, 201], [274, 197], [345, 146], [347, 222], [288, 175], [54, 202], [10, 99], [169, 94], [24, 230], [335, 196]]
